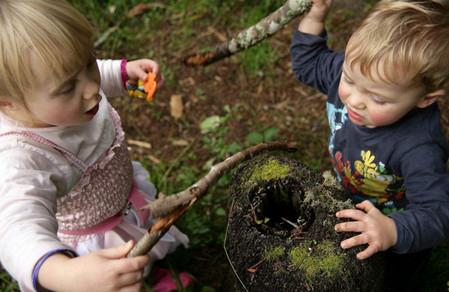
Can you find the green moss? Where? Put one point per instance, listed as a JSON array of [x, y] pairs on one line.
[[272, 169], [322, 259], [274, 253]]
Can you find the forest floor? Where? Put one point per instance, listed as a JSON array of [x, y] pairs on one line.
[[252, 96]]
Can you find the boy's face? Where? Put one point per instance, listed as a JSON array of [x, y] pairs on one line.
[[374, 102], [67, 102]]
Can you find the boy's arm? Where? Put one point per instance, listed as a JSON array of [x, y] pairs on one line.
[[425, 222], [312, 61]]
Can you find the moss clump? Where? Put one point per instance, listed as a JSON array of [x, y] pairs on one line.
[[321, 259], [271, 170], [274, 253]]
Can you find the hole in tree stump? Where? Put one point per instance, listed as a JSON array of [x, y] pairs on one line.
[[278, 205]]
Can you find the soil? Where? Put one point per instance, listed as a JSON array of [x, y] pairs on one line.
[[258, 102]]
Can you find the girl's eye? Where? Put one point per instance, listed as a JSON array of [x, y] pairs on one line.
[[68, 88]]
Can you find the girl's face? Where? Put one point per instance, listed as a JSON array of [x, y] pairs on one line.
[[377, 103], [67, 102]]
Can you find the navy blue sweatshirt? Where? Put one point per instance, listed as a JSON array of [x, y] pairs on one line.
[[401, 168]]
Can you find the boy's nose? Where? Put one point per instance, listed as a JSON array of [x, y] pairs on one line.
[[356, 101]]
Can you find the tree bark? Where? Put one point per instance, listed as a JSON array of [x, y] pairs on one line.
[[253, 35], [281, 237]]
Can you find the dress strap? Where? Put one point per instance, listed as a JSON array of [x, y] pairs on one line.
[[44, 141]]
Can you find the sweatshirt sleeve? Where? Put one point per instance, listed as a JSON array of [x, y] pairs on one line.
[[425, 222], [111, 78], [313, 62], [27, 213]]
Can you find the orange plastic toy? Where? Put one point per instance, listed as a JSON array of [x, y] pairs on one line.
[[143, 89]]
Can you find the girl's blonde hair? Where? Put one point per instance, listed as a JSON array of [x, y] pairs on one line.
[[55, 32], [404, 39]]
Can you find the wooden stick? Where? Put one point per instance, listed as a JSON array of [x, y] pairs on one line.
[[170, 208], [253, 35]]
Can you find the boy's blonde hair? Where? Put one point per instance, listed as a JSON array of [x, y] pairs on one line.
[[55, 32], [404, 39]]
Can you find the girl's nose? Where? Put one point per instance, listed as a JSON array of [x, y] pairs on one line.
[[91, 90]]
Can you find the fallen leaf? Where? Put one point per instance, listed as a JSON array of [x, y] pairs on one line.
[[140, 144], [142, 8], [180, 142], [176, 106]]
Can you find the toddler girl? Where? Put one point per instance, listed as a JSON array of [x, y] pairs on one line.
[[69, 193]]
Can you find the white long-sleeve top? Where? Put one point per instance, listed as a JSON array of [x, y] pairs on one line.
[[33, 176]]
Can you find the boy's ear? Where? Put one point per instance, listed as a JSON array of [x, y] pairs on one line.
[[430, 98]]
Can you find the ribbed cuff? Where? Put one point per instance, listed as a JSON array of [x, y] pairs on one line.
[[37, 267], [123, 71]]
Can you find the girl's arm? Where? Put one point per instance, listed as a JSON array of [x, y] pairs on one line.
[[115, 73]]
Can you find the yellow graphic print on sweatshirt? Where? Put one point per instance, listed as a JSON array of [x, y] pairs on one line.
[[368, 180]]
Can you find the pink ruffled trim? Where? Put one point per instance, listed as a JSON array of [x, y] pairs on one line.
[[105, 158]]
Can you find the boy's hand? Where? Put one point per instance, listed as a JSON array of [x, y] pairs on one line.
[[104, 270], [319, 10], [376, 229], [313, 21], [138, 70]]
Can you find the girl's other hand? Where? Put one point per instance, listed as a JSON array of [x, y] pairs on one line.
[[138, 70], [104, 270]]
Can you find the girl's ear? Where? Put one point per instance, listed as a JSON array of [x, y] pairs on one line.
[[430, 98], [4, 103]]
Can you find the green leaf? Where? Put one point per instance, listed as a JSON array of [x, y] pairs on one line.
[[270, 134], [210, 124], [254, 138], [220, 212]]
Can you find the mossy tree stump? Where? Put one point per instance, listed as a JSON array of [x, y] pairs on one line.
[[281, 234]]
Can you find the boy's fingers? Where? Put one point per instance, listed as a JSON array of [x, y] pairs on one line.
[[367, 252], [351, 213], [365, 206], [354, 241], [353, 226]]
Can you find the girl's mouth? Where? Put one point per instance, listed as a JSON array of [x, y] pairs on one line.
[[93, 110]]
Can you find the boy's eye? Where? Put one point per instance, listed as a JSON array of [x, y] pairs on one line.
[[378, 100], [347, 80]]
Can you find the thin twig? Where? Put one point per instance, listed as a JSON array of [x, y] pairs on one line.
[[170, 208]]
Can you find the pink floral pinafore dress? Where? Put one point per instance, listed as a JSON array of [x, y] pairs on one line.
[[102, 209]]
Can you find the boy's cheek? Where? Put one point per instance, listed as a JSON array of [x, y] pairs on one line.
[[342, 91]]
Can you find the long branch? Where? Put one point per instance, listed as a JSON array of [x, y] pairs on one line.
[[176, 205], [253, 35]]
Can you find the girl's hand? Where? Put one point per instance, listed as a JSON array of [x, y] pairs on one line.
[[104, 270], [138, 69], [376, 229]]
